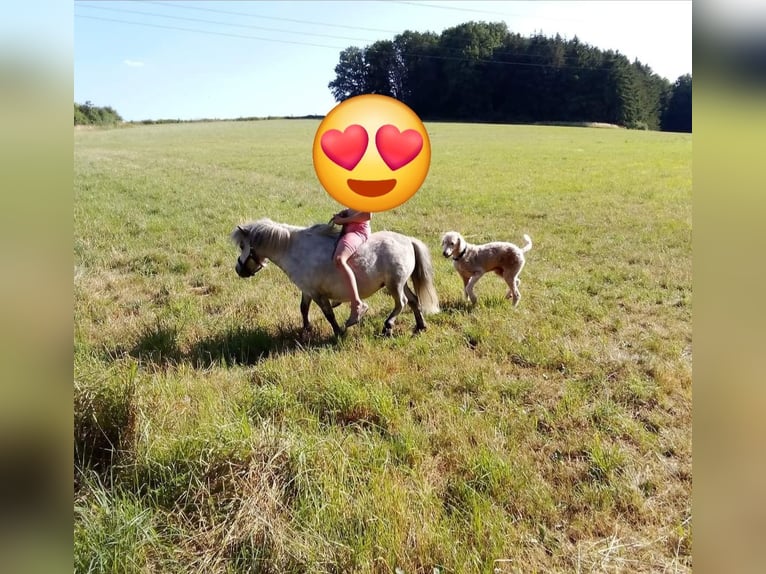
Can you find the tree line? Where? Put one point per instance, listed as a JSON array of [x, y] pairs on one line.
[[480, 71], [87, 114]]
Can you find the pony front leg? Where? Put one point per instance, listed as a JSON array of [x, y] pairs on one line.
[[305, 304], [326, 307]]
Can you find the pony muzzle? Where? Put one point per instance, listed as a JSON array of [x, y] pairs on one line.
[[249, 268]]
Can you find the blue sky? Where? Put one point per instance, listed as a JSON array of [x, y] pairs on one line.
[[192, 60]]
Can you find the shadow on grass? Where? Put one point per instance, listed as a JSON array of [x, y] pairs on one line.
[[158, 345], [242, 346], [455, 306], [460, 305]]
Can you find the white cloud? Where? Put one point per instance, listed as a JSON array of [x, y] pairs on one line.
[[133, 63]]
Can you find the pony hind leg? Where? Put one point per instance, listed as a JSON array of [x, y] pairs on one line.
[[414, 303], [397, 292]]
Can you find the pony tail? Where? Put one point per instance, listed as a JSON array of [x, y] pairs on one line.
[[423, 278]]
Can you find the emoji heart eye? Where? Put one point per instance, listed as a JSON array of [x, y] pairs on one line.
[[398, 148], [345, 148]]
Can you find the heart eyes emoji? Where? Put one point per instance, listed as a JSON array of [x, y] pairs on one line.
[[371, 153], [347, 148]]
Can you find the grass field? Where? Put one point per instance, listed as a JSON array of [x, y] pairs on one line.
[[553, 437]]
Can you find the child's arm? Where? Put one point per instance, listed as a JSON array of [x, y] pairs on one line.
[[350, 216]]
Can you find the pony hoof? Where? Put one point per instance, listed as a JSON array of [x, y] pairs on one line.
[[387, 332], [306, 333]]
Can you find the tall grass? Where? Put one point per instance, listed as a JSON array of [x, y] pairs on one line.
[[210, 435]]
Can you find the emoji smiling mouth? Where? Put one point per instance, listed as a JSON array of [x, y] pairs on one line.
[[371, 188]]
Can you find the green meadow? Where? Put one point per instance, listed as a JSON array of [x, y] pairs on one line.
[[211, 436]]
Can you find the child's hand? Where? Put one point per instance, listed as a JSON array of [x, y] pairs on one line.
[[338, 218]]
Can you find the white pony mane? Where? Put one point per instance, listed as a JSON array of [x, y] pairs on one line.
[[269, 234], [263, 233]]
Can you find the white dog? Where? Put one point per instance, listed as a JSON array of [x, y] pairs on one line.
[[473, 261]]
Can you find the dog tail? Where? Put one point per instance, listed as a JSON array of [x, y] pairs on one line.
[[528, 246], [423, 278]]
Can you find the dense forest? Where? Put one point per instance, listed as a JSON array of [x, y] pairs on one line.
[[480, 71], [87, 114]]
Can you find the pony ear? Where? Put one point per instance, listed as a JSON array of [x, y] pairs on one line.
[[242, 231]]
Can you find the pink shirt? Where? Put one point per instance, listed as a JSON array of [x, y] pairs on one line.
[[362, 227]]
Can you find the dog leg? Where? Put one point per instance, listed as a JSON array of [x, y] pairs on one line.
[[465, 279], [469, 286], [513, 287], [515, 294]]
